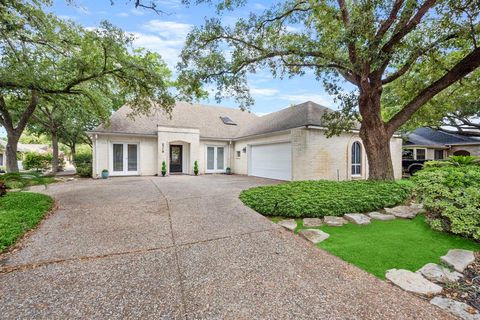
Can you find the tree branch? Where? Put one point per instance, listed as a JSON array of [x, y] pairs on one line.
[[460, 70], [352, 51], [385, 26]]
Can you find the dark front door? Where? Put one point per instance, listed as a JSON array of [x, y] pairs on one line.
[[175, 158]]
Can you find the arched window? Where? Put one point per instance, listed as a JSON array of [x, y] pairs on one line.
[[461, 153], [356, 159]]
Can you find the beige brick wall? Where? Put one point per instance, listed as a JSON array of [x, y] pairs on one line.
[[317, 157], [473, 149]]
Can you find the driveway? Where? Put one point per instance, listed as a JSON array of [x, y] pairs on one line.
[[182, 247]]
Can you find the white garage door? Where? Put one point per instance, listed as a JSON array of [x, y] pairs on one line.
[[272, 161]]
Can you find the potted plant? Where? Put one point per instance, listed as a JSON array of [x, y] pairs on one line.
[[228, 170], [104, 174], [195, 167], [164, 168]]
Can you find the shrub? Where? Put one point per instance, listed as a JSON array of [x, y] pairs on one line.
[[451, 198], [18, 180], [82, 157], [164, 168], [463, 160], [323, 198], [84, 169], [37, 161], [195, 167]]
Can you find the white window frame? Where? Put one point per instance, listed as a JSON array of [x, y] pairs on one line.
[[125, 171], [359, 164], [425, 149], [215, 154]]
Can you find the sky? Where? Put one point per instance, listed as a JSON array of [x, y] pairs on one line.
[[165, 34]]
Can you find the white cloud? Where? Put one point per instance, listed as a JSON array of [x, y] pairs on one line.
[[170, 30], [322, 99], [268, 92], [122, 14], [165, 37]]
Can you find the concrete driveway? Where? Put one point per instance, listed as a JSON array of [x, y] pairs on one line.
[[182, 247]]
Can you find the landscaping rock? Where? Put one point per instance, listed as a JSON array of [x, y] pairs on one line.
[[381, 216], [289, 224], [312, 222], [334, 221], [314, 235], [436, 273], [406, 212], [457, 308], [357, 218], [458, 258], [413, 282], [418, 206]]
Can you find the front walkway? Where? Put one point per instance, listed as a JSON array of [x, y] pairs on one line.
[[183, 247]]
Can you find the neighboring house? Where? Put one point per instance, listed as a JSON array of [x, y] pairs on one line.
[[22, 148], [287, 145], [430, 144]]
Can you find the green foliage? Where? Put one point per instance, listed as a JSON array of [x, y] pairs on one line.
[[436, 164], [164, 168], [324, 198], [20, 212], [63, 74], [195, 167], [400, 244], [82, 157], [84, 169], [463, 160], [16, 180], [29, 137], [37, 161], [451, 197]]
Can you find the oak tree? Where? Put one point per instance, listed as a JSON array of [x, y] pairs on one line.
[[368, 43]]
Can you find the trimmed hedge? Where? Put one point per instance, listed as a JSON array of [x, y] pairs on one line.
[[451, 198], [301, 199]]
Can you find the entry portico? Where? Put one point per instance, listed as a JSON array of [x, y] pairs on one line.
[[179, 148]]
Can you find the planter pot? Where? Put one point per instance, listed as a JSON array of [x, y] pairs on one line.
[[164, 173], [104, 174], [228, 171], [195, 172]]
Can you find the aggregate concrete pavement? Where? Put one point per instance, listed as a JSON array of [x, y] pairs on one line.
[[182, 247]]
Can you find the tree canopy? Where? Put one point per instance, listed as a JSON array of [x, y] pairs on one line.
[[44, 58], [370, 43]]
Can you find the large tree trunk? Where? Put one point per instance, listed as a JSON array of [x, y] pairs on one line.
[[374, 134], [54, 151], [11, 151]]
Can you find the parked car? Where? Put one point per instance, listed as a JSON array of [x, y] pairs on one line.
[[411, 166]]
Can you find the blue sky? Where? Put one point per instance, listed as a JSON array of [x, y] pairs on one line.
[[165, 34]]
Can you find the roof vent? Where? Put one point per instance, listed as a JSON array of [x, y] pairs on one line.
[[227, 120]]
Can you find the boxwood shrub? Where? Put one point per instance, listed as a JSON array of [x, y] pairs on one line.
[[451, 198], [301, 199]]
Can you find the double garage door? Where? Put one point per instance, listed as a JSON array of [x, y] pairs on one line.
[[272, 161]]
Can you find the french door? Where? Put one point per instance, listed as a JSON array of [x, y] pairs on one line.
[[215, 159], [124, 160]]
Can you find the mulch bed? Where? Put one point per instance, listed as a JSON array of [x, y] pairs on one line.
[[467, 289]]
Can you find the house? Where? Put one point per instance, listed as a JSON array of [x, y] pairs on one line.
[[22, 148], [429, 144], [287, 145]]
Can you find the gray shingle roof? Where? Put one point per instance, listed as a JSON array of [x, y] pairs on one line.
[[207, 120], [307, 113], [430, 137]]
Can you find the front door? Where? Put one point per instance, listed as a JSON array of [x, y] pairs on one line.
[[176, 158], [124, 159]]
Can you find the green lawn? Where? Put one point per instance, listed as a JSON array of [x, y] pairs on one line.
[[20, 180], [320, 198], [20, 212], [383, 245]]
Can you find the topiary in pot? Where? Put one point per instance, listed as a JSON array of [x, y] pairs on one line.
[[164, 168], [195, 167]]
